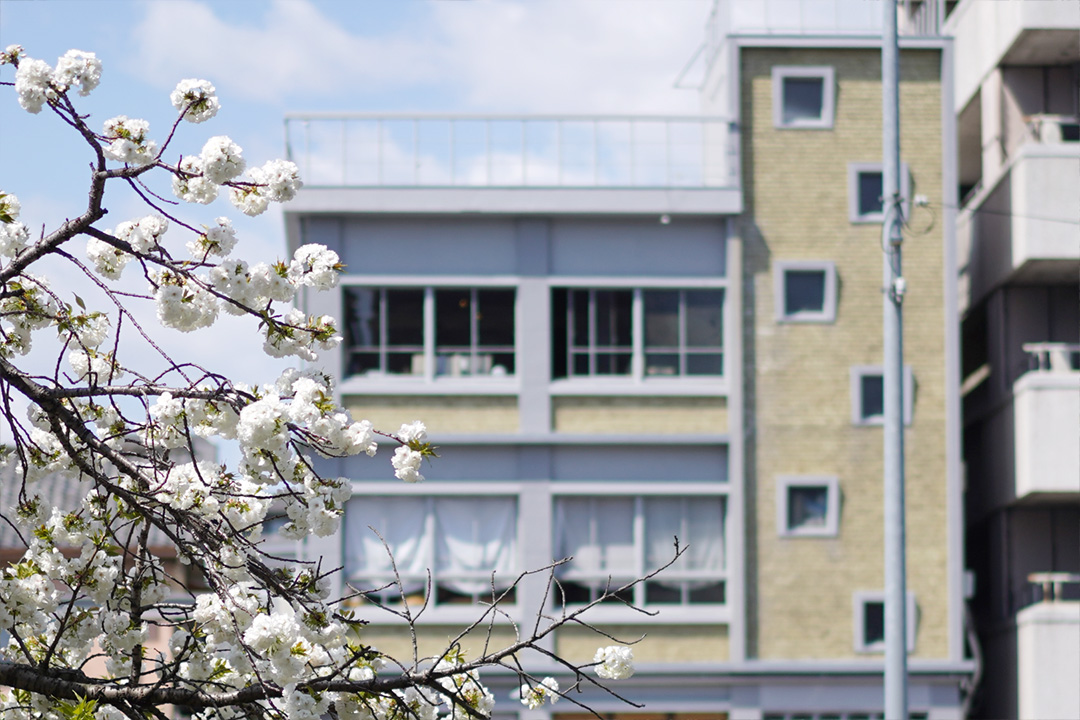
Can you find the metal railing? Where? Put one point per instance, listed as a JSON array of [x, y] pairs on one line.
[[426, 150], [1053, 357], [819, 17]]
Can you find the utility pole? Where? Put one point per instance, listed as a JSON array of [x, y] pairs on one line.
[[894, 287]]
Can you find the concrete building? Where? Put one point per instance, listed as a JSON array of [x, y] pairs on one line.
[[1017, 108], [624, 329]]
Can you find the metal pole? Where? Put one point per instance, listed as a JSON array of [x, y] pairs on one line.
[[895, 561]]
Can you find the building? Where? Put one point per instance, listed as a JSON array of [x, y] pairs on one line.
[[1016, 102], [619, 330]]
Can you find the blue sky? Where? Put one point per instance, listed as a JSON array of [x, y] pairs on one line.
[[269, 57]]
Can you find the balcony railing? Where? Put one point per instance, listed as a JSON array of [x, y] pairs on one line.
[[819, 17], [365, 150], [1053, 357]]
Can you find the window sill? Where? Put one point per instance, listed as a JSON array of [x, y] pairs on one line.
[[459, 616], [709, 386], [423, 386], [665, 615]]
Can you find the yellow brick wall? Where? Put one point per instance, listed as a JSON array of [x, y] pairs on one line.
[[396, 641], [652, 415], [442, 414], [800, 590], [662, 643]]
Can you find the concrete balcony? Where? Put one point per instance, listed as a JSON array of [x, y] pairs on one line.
[[1048, 649], [416, 163], [1046, 404], [1009, 32], [1023, 227]]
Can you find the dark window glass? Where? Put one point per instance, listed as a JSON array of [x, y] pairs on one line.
[[579, 308], [453, 317], [495, 317], [705, 364], [807, 506], [704, 318], [662, 318], [804, 291], [613, 317], [661, 364], [405, 318], [873, 396], [803, 99], [873, 623], [871, 188], [362, 317], [559, 298]]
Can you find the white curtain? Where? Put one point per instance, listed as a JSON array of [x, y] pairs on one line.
[[598, 533], [463, 540], [475, 537], [401, 521], [697, 522]]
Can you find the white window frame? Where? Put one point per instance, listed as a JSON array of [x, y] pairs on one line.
[[430, 351], [859, 600], [439, 613], [637, 286], [857, 373], [828, 312], [670, 612], [828, 97], [855, 169], [784, 484]]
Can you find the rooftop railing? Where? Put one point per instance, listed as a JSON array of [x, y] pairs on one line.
[[603, 151], [820, 17]]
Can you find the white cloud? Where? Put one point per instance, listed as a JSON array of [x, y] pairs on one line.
[[491, 55]]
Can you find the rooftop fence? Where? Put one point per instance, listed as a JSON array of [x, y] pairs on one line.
[[603, 151]]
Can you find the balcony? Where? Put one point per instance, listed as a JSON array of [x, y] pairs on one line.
[[1046, 404], [504, 163], [1048, 646], [1009, 32], [1023, 227]]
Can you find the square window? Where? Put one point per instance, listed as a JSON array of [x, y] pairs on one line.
[[869, 612], [866, 186], [804, 291], [804, 97], [868, 395], [807, 506]]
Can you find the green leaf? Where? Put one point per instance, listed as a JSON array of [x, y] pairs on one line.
[[83, 710], [79, 302]]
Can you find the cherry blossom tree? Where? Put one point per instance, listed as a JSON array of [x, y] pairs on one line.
[[260, 638]]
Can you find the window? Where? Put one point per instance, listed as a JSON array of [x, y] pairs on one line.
[[469, 544], [452, 332], [803, 97], [616, 539], [637, 333], [804, 291], [868, 395], [807, 506], [869, 610], [866, 188]]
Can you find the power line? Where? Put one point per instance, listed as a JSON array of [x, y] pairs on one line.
[[1007, 213]]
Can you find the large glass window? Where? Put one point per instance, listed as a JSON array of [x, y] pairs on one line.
[[438, 331], [614, 540], [468, 543], [639, 332]]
